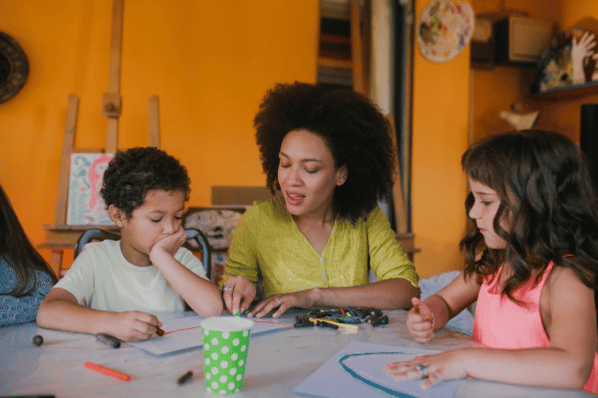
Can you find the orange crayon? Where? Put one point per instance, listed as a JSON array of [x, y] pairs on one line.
[[109, 372]]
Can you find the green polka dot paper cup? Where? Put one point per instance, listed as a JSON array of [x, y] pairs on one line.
[[225, 346]]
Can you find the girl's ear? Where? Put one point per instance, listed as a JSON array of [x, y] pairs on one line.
[[117, 216], [341, 175]]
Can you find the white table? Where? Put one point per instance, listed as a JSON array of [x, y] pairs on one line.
[[276, 363]]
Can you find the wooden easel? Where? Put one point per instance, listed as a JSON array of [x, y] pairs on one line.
[[59, 235]]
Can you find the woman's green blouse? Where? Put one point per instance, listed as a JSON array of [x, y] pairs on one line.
[[267, 237]]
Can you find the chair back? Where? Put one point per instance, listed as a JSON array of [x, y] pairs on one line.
[[97, 235]]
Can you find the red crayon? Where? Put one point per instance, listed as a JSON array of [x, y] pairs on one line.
[[159, 332], [109, 372]]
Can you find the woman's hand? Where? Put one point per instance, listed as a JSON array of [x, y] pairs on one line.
[[436, 368], [301, 299], [237, 293], [420, 322]]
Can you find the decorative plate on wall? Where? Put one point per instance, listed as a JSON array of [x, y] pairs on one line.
[[445, 28], [14, 67]]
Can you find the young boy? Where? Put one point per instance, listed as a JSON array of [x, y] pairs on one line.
[[113, 287]]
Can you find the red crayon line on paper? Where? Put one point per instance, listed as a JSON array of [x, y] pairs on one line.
[[108, 371], [180, 330], [273, 323], [198, 327]]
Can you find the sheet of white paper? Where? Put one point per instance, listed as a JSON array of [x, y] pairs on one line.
[[185, 333], [360, 373]]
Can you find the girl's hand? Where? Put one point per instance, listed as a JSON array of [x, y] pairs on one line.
[[237, 293], [436, 368], [300, 299], [134, 326], [420, 322]]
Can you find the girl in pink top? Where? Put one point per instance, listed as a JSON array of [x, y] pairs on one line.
[[531, 258]]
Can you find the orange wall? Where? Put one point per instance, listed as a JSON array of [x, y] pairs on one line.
[[440, 125], [210, 62]]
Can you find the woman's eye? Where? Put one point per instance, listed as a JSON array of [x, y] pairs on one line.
[[178, 218], [285, 166], [486, 203], [311, 171], [156, 221]]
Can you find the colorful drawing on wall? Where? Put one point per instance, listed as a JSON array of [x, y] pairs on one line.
[[569, 60], [85, 205], [445, 28]]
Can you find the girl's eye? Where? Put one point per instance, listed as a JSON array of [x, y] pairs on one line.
[[178, 218], [311, 171], [156, 221], [486, 203], [285, 166]]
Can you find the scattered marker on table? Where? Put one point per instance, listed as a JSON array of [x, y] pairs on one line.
[[107, 371], [38, 340], [184, 377], [109, 340]]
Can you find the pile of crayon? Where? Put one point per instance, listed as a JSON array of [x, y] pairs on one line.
[[345, 317]]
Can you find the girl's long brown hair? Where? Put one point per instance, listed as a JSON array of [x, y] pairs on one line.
[[17, 251], [545, 191]]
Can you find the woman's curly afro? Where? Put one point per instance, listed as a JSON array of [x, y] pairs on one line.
[[355, 131]]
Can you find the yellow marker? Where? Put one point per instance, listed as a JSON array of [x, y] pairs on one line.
[[340, 325]]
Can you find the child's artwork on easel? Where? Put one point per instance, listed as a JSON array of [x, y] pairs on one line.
[[85, 204]]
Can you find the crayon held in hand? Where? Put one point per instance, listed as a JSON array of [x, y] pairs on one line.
[[108, 371], [159, 332]]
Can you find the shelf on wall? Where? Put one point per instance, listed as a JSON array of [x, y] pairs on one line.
[[566, 93]]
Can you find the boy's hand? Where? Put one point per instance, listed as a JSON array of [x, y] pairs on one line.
[[171, 243], [135, 326], [420, 322]]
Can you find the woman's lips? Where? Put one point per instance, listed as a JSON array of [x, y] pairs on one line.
[[294, 199]]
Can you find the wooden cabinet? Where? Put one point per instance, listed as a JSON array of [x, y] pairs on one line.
[[343, 56]]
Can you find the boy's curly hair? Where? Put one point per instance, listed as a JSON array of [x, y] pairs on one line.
[[134, 172], [355, 131]]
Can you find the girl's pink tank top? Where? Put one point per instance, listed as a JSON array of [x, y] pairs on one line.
[[501, 323]]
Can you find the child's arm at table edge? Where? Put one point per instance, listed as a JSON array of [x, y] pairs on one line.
[[452, 299], [60, 310], [203, 296]]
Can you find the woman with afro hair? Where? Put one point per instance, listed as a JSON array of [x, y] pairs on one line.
[[331, 155]]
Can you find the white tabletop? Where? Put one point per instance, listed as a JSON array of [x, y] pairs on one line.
[[276, 363]]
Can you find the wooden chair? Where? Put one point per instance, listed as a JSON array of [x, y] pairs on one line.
[[96, 234]]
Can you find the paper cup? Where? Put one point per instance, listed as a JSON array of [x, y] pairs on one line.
[[225, 346]]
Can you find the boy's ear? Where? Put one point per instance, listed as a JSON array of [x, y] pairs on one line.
[[117, 216]]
